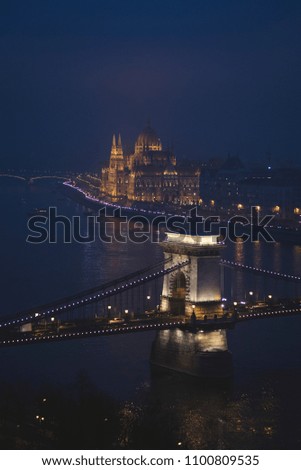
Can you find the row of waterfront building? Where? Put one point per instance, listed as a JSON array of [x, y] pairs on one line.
[[150, 174]]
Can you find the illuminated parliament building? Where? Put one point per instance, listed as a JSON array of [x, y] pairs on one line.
[[149, 174]]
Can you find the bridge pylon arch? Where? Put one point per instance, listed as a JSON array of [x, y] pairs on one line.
[[199, 288]]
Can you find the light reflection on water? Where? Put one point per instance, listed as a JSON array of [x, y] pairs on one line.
[[203, 415], [253, 410]]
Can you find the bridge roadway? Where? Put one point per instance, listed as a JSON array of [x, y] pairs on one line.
[[269, 312], [90, 296], [158, 322]]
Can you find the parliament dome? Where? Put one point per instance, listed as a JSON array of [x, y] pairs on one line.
[[147, 140]]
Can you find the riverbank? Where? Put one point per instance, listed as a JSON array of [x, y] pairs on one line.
[[280, 233]]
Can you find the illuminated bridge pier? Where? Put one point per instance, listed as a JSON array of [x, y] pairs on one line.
[[194, 291], [195, 288]]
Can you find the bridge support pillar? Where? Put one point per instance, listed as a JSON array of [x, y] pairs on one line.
[[194, 288]]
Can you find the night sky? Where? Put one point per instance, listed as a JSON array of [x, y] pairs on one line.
[[214, 76]]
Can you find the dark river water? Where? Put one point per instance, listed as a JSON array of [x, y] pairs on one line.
[[100, 393]]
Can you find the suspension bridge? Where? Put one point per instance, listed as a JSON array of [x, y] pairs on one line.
[[182, 291], [32, 176]]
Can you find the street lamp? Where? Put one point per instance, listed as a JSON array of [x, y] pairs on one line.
[[193, 317], [109, 310], [148, 297]]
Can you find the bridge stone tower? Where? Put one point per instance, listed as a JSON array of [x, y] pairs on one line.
[[197, 286], [193, 288]]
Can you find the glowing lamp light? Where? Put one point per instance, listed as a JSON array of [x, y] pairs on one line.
[[251, 292], [109, 307], [126, 311], [148, 297]]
